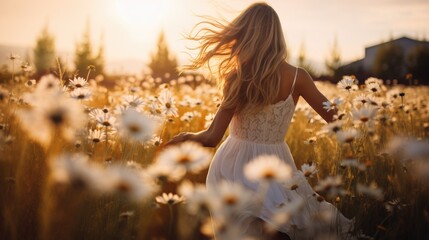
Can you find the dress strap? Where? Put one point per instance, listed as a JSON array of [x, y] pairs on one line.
[[294, 80]]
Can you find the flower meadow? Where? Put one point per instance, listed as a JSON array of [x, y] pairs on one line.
[[79, 160]]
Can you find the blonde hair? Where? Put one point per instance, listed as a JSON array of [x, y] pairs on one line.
[[250, 50]]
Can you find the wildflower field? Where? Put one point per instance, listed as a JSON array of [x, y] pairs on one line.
[[79, 160]]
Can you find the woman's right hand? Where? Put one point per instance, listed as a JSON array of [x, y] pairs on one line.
[[181, 137]]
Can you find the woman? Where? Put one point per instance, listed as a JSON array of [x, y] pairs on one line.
[[260, 91]]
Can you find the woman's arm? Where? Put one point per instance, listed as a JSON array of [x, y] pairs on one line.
[[308, 90], [212, 135]]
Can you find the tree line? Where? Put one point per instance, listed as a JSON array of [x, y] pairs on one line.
[[389, 61], [45, 57], [46, 61]]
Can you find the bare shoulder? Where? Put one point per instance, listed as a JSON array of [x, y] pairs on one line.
[[287, 75], [303, 74], [303, 81], [286, 67], [289, 69]]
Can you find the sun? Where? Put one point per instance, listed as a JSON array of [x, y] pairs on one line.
[[138, 12]]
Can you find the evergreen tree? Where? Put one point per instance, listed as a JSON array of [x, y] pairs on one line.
[[44, 52], [418, 62], [389, 62], [333, 61], [99, 59], [303, 62], [162, 62], [84, 56]]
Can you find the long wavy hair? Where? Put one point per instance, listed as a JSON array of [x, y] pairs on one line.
[[247, 52]]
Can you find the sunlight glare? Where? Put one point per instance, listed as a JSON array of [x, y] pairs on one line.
[[137, 12]]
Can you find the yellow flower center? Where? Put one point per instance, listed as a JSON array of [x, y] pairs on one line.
[[123, 187], [230, 200], [269, 174], [134, 128], [364, 119], [184, 159]]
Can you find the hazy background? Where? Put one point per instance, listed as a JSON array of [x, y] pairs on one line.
[[129, 28]]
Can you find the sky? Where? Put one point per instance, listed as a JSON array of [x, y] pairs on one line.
[[128, 29]]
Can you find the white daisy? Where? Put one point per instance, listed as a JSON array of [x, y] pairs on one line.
[[134, 165], [230, 199], [30, 83], [364, 114], [78, 172], [96, 135], [52, 114], [295, 181], [78, 82], [48, 84], [169, 199], [167, 103], [187, 117], [310, 141], [267, 168], [347, 83], [137, 126], [309, 170], [286, 211], [126, 215], [25, 66], [190, 156], [333, 127], [373, 80], [133, 102], [209, 119], [93, 113], [197, 197], [373, 87], [331, 186], [361, 99], [81, 94], [154, 108], [131, 183], [408, 149], [120, 109], [392, 205], [347, 135], [13, 56], [371, 190], [373, 100], [104, 119], [165, 172], [333, 104], [155, 141], [353, 163]]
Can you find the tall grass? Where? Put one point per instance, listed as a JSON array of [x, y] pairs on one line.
[[35, 205]]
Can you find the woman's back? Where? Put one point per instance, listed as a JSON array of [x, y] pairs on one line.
[[270, 124]]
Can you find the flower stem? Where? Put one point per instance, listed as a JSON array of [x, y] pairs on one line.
[[170, 222], [87, 75], [13, 70]]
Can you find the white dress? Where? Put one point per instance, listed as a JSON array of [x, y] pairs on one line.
[[263, 132]]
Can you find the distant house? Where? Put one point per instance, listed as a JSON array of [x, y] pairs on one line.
[[363, 68]]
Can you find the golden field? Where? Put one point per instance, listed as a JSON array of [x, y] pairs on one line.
[[79, 160]]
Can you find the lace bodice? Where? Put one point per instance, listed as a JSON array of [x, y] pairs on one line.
[[267, 126]]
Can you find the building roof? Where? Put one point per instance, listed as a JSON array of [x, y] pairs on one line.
[[401, 39]]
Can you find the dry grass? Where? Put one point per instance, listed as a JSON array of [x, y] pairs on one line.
[[36, 206]]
